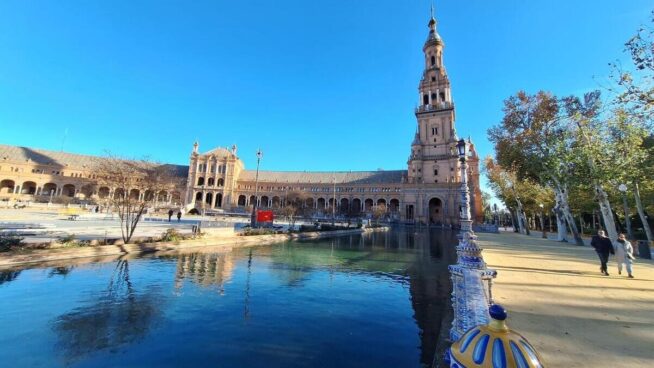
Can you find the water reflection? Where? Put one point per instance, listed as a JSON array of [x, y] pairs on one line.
[[367, 300], [205, 269], [118, 316], [8, 276]]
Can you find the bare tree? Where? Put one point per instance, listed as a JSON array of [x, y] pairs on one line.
[[136, 184], [379, 212]]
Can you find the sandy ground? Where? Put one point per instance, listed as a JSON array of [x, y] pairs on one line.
[[574, 316]]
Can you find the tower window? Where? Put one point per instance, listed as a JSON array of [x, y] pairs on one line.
[[434, 131], [425, 100], [442, 96], [433, 61], [435, 172], [433, 79], [433, 97]]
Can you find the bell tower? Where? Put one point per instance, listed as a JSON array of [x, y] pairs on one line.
[[433, 153]]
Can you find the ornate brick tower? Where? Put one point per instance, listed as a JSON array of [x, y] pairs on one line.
[[433, 166], [433, 154]]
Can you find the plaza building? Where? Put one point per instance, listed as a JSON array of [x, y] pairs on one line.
[[427, 191]]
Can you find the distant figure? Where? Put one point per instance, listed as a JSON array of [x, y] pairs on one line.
[[170, 215], [97, 209], [624, 254], [603, 247], [179, 216]]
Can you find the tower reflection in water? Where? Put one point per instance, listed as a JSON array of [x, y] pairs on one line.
[[204, 269]]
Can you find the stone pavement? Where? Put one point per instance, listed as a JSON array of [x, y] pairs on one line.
[[574, 316]]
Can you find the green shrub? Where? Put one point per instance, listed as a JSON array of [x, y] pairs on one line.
[[260, 231], [9, 242], [171, 235], [70, 241]]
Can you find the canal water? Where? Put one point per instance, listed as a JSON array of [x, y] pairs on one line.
[[373, 300]]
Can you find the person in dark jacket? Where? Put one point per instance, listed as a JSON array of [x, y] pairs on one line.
[[179, 216], [170, 215], [604, 248]]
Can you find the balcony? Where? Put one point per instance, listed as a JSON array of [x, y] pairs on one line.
[[440, 106]]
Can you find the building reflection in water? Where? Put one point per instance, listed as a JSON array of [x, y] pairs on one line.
[[418, 257], [204, 269]]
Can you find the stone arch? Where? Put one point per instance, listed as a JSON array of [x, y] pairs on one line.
[[148, 195], [321, 203], [381, 202], [211, 182], [7, 186], [87, 190], [208, 199], [201, 180], [48, 189], [345, 205], [221, 182], [162, 196], [198, 197], [264, 201], [309, 203], [119, 193], [394, 205], [368, 204], [252, 200], [275, 202], [435, 211], [219, 200], [28, 187], [356, 206], [135, 194], [68, 190], [241, 201], [103, 192], [176, 197]]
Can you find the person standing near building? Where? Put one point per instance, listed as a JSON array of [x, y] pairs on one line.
[[624, 254], [179, 216], [170, 214], [604, 248]]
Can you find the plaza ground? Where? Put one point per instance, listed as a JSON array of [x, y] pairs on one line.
[[574, 316]]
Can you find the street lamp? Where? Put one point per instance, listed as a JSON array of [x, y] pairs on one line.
[[253, 218], [471, 279], [542, 220], [623, 189]]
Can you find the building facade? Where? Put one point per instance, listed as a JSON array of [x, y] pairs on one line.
[[427, 191]]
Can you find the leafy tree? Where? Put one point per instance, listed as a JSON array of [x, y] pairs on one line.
[[534, 142]]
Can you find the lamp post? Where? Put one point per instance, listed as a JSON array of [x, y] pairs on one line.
[[471, 279], [542, 220], [623, 189], [253, 218], [334, 203]]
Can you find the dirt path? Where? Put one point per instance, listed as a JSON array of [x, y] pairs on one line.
[[558, 300]]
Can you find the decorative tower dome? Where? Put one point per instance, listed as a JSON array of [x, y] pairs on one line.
[[433, 37], [493, 345]]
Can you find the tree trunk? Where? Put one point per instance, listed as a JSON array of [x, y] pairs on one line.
[[607, 214], [562, 232], [567, 214], [519, 214], [641, 213]]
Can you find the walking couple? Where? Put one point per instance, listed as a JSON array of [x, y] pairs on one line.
[[621, 248]]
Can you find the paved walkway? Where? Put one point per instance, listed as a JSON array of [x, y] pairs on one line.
[[558, 300]]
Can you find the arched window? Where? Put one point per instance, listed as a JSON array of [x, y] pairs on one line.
[[425, 99], [200, 181], [433, 61]]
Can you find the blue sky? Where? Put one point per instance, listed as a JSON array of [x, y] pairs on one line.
[[318, 85]]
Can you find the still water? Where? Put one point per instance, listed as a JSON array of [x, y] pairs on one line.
[[374, 300]]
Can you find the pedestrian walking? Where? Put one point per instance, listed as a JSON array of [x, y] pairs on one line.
[[170, 214], [179, 216], [624, 253], [604, 249]]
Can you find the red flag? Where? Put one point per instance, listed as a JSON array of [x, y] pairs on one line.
[[265, 216]]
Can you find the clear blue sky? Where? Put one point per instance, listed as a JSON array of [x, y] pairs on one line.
[[318, 85]]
